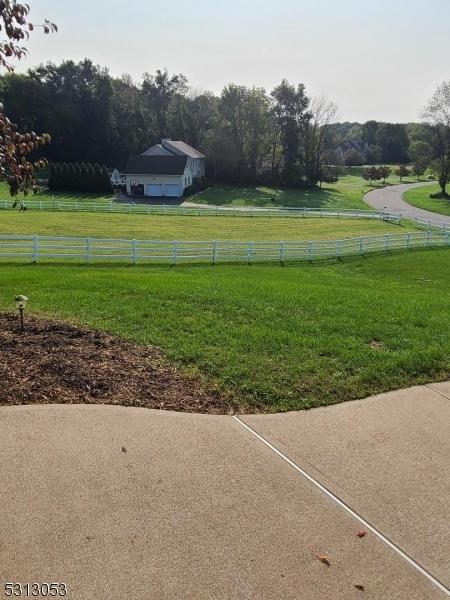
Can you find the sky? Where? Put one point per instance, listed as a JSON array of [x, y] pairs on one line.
[[376, 59]]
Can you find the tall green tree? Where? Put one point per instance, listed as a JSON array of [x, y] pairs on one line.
[[314, 155], [393, 141], [159, 91], [291, 111], [437, 115]]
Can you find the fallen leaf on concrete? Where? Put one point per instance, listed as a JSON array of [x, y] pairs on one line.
[[361, 533], [323, 559], [359, 587]]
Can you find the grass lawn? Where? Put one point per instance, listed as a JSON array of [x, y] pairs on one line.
[[420, 197], [188, 228], [48, 195], [347, 193], [281, 338], [330, 196]]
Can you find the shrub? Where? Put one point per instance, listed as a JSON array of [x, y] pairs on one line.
[[437, 195], [79, 177], [198, 184]]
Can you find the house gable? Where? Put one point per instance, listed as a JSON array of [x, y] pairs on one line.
[[157, 150]]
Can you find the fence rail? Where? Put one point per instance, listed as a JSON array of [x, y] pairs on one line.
[[36, 248], [103, 206], [432, 224]]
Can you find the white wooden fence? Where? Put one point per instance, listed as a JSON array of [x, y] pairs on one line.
[[432, 224], [36, 248], [102, 206]]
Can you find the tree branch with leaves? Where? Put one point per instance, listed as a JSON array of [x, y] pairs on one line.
[[15, 168]]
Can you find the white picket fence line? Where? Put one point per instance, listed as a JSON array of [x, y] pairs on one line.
[[432, 224], [205, 211], [36, 248]]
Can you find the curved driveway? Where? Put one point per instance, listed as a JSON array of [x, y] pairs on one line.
[[391, 198]]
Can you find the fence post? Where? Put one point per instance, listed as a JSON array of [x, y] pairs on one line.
[[338, 248], [164, 209], [281, 252], [174, 256], [129, 208], [88, 249], [386, 243], [93, 204], [250, 252], [339, 212], [304, 212], [429, 237], [251, 212], [321, 213], [310, 251], [59, 205], [214, 253], [408, 240], [134, 251], [40, 204], [361, 246], [110, 206], [447, 238], [35, 248]]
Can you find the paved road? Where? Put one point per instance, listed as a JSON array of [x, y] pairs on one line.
[[149, 505], [391, 197]]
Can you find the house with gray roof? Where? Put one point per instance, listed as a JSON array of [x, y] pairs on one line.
[[164, 170]]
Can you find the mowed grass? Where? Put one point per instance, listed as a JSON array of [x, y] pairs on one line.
[[277, 337], [330, 196], [49, 194], [347, 193], [187, 228], [420, 197]]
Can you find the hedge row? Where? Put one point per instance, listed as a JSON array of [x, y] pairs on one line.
[[79, 177]]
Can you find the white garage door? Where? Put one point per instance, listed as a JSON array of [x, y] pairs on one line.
[[172, 189], [154, 189]]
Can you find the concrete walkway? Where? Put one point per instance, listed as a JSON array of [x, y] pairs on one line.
[[141, 504], [391, 198]]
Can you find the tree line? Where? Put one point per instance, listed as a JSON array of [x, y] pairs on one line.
[[248, 134]]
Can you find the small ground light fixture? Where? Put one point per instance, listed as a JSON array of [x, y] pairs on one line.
[[21, 302]]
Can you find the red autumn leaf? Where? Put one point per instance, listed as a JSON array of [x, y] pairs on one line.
[[361, 533]]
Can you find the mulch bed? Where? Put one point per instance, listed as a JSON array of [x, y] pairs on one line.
[[55, 362]]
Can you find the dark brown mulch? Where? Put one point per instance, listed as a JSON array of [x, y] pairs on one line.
[[55, 362]]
